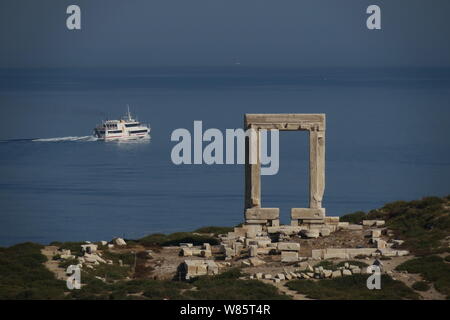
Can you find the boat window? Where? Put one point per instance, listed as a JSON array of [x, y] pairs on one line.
[[115, 131], [131, 125], [138, 131]]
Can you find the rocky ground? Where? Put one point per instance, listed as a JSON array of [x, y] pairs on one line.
[[162, 263]]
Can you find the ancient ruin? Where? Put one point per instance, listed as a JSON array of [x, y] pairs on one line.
[[315, 125]]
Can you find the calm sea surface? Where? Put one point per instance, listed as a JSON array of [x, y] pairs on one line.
[[387, 139]]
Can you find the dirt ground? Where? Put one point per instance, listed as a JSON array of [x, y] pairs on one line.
[[52, 265]]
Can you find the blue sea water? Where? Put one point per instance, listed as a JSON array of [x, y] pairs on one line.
[[387, 139]]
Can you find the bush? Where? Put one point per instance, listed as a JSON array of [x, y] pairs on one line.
[[356, 217], [431, 268], [352, 288], [175, 239], [423, 224], [214, 230], [227, 286], [421, 286], [447, 258], [74, 247], [66, 263], [24, 276], [127, 258]]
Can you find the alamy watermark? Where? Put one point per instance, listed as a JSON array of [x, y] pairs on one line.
[[374, 280], [74, 279], [190, 149]]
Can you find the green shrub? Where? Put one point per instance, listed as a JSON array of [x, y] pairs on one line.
[[433, 269], [227, 286], [127, 257], [214, 230], [355, 217], [421, 286], [24, 276], [175, 239], [447, 258], [66, 263], [352, 288], [423, 224], [73, 246]]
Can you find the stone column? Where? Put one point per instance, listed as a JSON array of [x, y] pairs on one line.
[[316, 167], [252, 170]]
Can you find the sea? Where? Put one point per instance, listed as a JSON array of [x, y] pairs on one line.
[[387, 139]]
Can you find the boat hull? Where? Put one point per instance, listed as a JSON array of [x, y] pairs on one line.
[[124, 136]]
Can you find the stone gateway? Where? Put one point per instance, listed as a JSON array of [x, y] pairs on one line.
[[315, 125]]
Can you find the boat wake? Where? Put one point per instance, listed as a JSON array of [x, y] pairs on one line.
[[65, 139], [79, 139]]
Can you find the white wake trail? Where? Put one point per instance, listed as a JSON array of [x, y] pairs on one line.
[[62, 139]]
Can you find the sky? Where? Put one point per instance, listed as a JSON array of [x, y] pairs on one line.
[[306, 33]]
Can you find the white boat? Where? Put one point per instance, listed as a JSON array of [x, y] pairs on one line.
[[124, 129]]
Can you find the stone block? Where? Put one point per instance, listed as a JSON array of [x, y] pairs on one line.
[[327, 273], [253, 250], [257, 221], [343, 225], [267, 276], [310, 233], [289, 256], [89, 248], [288, 230], [354, 227], [402, 253], [324, 232], [376, 233], [381, 244], [335, 256], [255, 262], [313, 221], [346, 272], [186, 252], [302, 265], [281, 276], [369, 223], [206, 253], [288, 246], [380, 223], [262, 213], [356, 270], [252, 228], [307, 213], [331, 220], [239, 231], [119, 242], [186, 244], [317, 254], [264, 251], [275, 223], [336, 274]]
